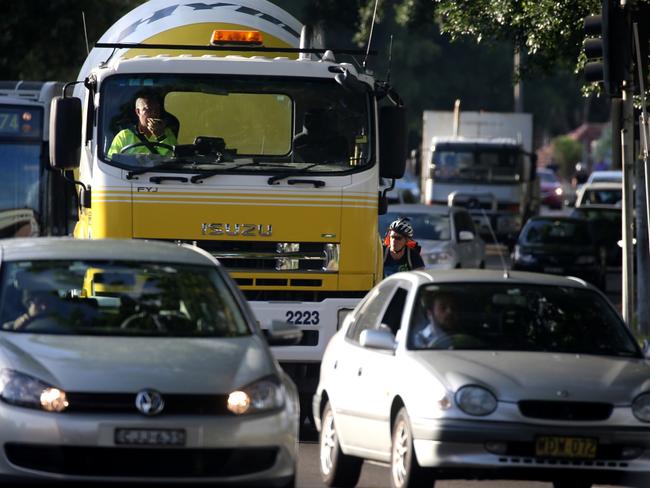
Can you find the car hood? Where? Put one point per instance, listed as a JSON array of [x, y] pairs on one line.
[[514, 376], [126, 364]]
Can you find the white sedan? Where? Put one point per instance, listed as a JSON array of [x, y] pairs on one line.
[[136, 362], [485, 374]]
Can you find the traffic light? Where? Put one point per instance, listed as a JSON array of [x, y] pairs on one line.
[[607, 47]]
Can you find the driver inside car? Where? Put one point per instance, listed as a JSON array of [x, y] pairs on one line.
[[38, 304], [150, 135]]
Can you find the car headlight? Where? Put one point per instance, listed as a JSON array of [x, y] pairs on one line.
[[438, 257], [25, 391], [641, 407], [261, 396], [585, 260], [476, 400]]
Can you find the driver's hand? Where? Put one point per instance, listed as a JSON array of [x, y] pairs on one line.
[[156, 126]]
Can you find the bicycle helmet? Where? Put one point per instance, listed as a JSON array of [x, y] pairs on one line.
[[402, 226]]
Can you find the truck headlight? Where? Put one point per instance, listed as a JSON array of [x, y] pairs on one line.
[[476, 400], [263, 395], [26, 391], [641, 407]]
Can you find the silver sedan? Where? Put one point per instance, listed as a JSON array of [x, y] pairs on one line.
[[136, 362], [485, 374]]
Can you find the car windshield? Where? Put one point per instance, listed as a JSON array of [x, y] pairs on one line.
[[547, 177], [425, 226], [601, 196], [555, 231], [520, 317], [117, 298], [227, 124]]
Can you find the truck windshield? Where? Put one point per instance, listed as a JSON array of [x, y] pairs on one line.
[[189, 123], [455, 164], [20, 159]]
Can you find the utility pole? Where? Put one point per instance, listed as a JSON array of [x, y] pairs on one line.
[[627, 144]]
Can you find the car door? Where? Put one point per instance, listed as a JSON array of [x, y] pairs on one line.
[[376, 376], [349, 405]]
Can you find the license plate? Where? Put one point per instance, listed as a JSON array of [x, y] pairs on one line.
[[566, 447], [553, 270], [150, 437]]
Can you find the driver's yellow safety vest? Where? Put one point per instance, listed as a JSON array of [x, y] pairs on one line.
[[127, 136]]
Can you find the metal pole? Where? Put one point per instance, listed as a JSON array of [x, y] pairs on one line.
[[627, 144]]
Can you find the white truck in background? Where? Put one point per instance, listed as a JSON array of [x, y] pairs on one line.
[[482, 161]]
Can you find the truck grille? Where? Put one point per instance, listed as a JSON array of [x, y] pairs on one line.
[[319, 257]]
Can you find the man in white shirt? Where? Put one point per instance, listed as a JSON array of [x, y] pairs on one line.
[[443, 323]]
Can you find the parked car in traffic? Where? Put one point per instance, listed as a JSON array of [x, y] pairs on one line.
[[484, 374], [139, 362], [562, 246], [551, 191], [446, 234], [606, 225], [608, 194]]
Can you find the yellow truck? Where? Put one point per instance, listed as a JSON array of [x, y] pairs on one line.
[[269, 156]]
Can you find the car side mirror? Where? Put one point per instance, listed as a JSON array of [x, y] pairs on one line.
[[283, 334], [466, 235], [382, 339]]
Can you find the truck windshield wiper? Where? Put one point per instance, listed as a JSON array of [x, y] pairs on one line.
[[198, 178], [274, 179], [169, 165]]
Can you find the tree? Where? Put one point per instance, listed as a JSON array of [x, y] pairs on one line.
[[549, 32], [566, 153]]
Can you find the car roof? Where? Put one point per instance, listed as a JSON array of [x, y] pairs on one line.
[[554, 218], [421, 208], [53, 248], [425, 276], [604, 174]]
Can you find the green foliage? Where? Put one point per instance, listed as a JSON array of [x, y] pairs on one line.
[[566, 153]]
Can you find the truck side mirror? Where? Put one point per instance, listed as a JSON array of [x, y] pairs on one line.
[[65, 133], [392, 141]]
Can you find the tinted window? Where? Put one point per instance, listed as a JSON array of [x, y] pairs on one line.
[[522, 317], [118, 298]]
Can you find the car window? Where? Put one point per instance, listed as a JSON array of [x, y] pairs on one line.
[[118, 298], [524, 317], [600, 196], [372, 310]]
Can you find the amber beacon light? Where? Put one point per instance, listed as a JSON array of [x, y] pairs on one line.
[[236, 37]]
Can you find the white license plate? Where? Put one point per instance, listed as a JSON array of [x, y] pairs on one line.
[[150, 437], [554, 270]]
